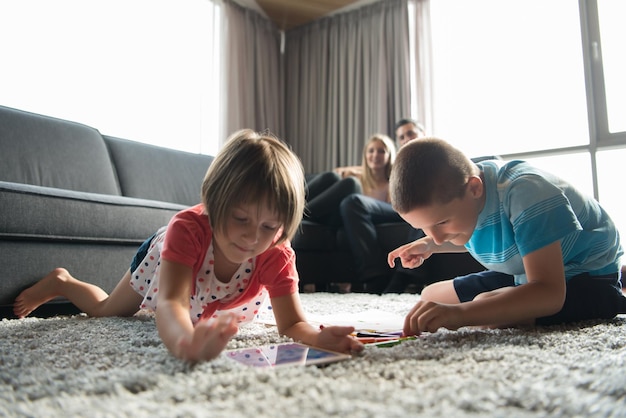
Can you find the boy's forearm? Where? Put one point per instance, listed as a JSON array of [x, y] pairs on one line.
[[510, 306]]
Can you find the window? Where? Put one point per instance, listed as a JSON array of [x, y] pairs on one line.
[[504, 80], [144, 70], [613, 33], [507, 82], [605, 37], [611, 186]]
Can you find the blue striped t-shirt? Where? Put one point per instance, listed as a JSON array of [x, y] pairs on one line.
[[527, 209]]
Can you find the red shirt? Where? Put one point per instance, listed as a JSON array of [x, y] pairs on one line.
[[187, 241]]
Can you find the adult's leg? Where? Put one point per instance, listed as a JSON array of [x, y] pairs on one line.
[[360, 214], [89, 298], [324, 208], [320, 182]]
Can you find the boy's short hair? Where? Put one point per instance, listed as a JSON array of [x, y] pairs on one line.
[[415, 123], [426, 172], [255, 168]]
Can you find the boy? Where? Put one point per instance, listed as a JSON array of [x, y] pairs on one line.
[[552, 254]]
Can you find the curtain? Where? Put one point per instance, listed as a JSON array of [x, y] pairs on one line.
[[421, 49], [346, 77], [252, 71]]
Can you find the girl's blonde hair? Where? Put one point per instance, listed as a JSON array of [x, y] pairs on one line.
[[367, 178], [255, 168]]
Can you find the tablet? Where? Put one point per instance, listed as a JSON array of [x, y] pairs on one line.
[[284, 354]]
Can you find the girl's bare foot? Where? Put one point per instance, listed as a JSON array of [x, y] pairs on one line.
[[39, 293]]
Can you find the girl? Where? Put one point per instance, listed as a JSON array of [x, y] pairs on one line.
[[213, 265], [371, 179]]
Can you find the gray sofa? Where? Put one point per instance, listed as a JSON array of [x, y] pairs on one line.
[[72, 197]]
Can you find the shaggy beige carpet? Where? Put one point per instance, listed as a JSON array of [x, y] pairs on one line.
[[114, 367]]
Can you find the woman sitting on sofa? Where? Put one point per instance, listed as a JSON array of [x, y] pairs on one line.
[[371, 178]]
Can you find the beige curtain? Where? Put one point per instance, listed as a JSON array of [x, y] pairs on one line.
[[346, 77], [252, 71], [421, 45], [338, 80]]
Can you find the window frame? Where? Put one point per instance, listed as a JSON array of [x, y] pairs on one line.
[[597, 113]]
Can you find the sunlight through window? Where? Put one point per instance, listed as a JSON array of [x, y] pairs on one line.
[[505, 81], [145, 70], [613, 35]]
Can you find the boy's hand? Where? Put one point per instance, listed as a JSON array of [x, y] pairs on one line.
[[411, 255], [429, 316], [209, 338], [338, 338]]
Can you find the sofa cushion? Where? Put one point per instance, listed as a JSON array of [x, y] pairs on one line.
[[37, 213], [150, 172], [45, 151]]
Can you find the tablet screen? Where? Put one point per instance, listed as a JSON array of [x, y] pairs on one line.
[[284, 354]]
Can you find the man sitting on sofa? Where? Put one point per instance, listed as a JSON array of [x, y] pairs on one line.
[[360, 214]]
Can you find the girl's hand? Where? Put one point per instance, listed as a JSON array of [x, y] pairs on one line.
[[209, 338], [411, 255], [338, 338]]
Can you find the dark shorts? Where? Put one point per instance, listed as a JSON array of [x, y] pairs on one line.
[[587, 297], [141, 253]]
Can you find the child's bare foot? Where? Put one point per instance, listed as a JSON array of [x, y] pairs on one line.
[[39, 293]]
